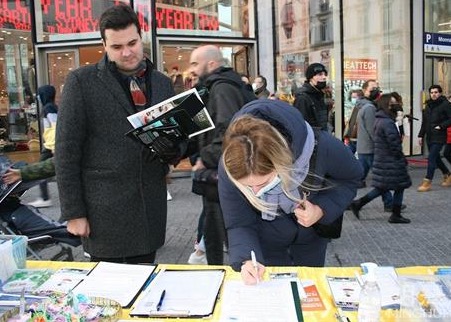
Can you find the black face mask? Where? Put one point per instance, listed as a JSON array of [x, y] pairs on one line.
[[396, 108], [374, 93], [321, 85]]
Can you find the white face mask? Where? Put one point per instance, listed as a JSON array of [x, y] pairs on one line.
[[269, 186], [254, 87]]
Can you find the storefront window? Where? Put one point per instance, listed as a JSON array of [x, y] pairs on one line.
[[17, 77], [304, 35], [229, 18], [437, 16], [68, 19], [382, 53]]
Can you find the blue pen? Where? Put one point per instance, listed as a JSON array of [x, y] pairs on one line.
[[160, 302]]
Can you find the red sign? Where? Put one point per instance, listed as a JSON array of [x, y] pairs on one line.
[[15, 15], [62, 16], [180, 19], [360, 69]]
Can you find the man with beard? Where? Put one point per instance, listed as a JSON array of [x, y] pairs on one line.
[[310, 97], [226, 95]]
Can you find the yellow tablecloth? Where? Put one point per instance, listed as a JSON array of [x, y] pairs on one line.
[[318, 275]]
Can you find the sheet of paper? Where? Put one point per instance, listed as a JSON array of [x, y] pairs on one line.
[[187, 293], [268, 301], [119, 282]]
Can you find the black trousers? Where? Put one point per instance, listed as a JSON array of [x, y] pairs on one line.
[[214, 232]]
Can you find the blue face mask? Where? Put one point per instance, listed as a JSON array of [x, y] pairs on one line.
[[274, 182], [353, 100]]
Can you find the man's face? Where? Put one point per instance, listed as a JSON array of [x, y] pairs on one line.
[[124, 47], [320, 77], [434, 93], [371, 86], [198, 65], [291, 68]]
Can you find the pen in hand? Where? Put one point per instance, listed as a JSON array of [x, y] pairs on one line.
[[254, 263], [160, 302]]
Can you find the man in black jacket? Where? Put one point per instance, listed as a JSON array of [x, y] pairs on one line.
[[310, 97], [436, 119], [226, 95]]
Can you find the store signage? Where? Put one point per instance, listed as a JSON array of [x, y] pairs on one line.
[[15, 15], [437, 43], [181, 19], [62, 16], [360, 69]]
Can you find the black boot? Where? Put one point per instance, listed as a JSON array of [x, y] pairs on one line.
[[356, 205], [396, 217]]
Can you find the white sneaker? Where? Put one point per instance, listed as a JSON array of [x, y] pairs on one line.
[[41, 203], [195, 259], [169, 197]]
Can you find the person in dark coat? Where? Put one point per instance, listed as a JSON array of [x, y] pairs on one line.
[[227, 93], [112, 189], [389, 165], [436, 119], [46, 94], [310, 97], [270, 205]]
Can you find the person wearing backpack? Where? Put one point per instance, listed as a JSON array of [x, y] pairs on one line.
[[226, 94], [310, 97], [281, 184]]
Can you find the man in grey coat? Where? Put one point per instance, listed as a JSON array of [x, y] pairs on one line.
[[365, 133], [112, 189]]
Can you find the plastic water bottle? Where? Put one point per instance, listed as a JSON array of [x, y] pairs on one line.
[[370, 297]]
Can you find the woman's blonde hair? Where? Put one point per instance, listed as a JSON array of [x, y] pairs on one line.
[[253, 146]]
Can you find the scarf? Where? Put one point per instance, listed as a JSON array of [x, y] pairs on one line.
[[137, 83], [300, 170]]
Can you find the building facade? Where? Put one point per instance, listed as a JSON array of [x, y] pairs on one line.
[[404, 44]]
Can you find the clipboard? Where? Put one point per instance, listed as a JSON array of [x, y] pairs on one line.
[[187, 293], [115, 281]]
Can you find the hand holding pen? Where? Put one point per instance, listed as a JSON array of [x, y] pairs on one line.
[[252, 271]]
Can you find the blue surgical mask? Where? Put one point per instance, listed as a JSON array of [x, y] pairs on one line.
[[353, 100], [271, 185]]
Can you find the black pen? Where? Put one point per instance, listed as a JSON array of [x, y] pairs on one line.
[[160, 302]]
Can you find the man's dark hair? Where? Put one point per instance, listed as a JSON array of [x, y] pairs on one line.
[[265, 82], [117, 18], [367, 83], [438, 87]]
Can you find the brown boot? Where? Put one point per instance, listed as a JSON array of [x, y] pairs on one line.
[[425, 185], [446, 180]]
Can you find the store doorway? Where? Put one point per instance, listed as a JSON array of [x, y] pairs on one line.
[[174, 58], [59, 62], [438, 71]]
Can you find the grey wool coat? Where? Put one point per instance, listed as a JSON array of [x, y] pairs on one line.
[[104, 175]]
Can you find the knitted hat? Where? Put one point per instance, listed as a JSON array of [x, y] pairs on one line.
[[314, 69]]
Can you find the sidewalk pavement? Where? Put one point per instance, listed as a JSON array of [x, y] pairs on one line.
[[425, 241]]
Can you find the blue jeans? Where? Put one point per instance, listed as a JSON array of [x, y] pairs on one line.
[[435, 161], [396, 200], [352, 145], [447, 152], [366, 160]]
